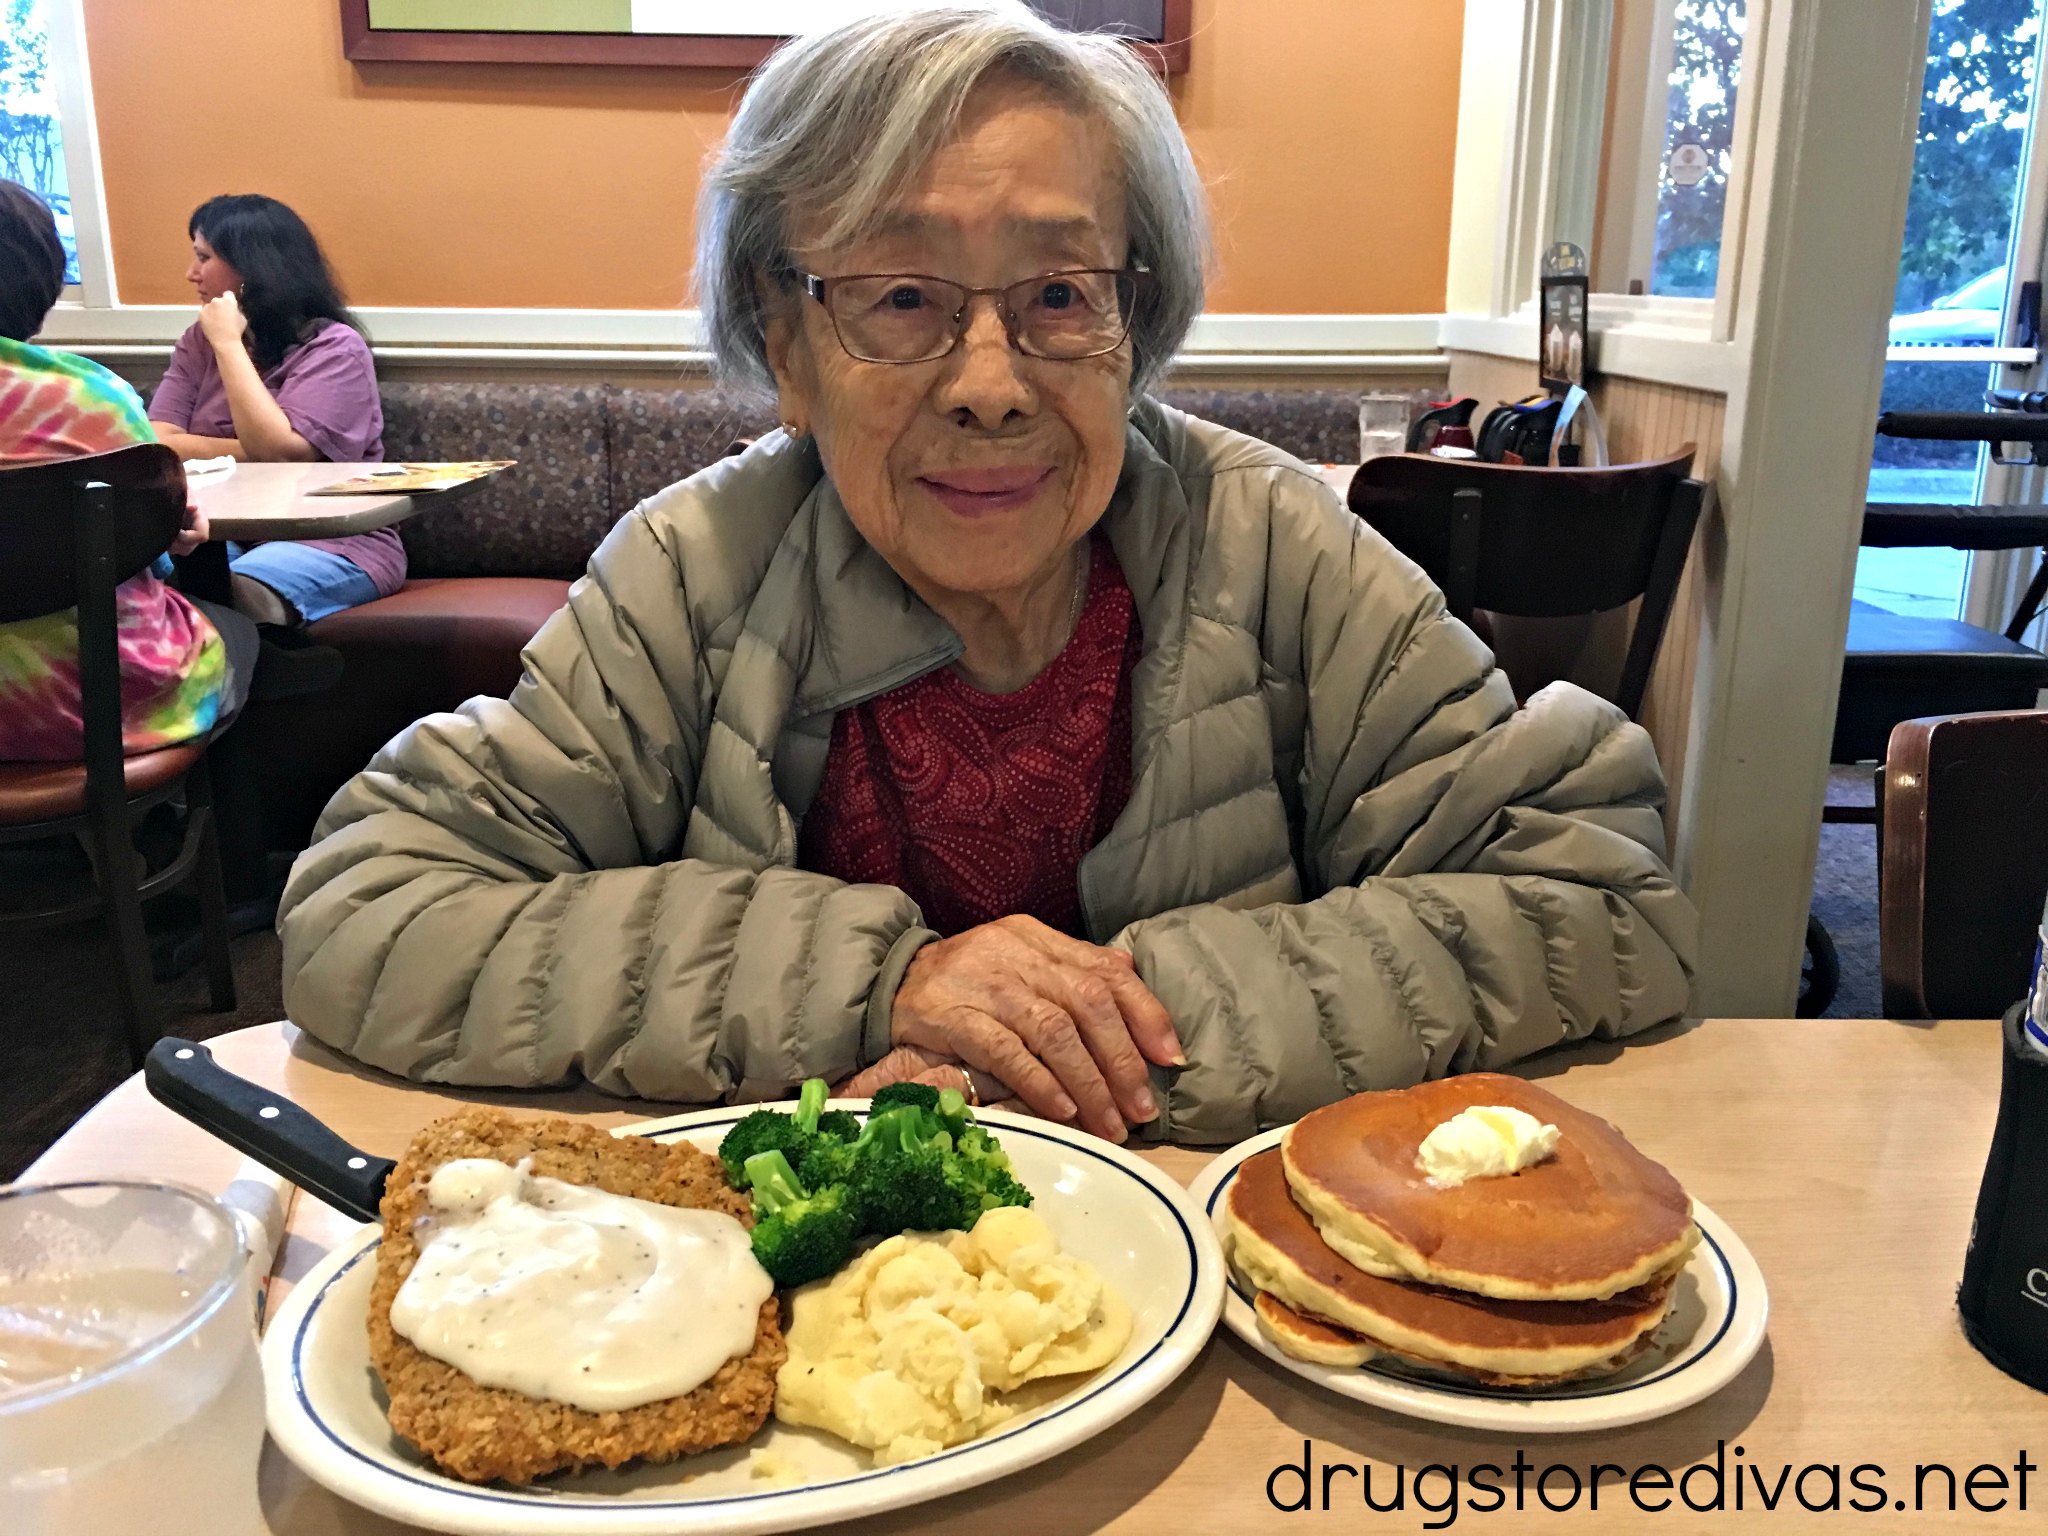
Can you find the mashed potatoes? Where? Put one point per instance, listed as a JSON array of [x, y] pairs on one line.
[[909, 1349]]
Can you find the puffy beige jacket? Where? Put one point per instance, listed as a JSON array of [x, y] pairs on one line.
[[1348, 861]]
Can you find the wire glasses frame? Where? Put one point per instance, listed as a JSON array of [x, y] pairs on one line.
[[908, 317]]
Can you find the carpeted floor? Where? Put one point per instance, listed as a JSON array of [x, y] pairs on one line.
[[61, 1048], [1845, 898]]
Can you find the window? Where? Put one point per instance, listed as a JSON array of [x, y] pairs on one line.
[[1674, 70], [31, 136], [48, 140], [1964, 228], [1699, 132]]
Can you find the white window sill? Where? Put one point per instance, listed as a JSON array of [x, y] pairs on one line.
[[1666, 341]]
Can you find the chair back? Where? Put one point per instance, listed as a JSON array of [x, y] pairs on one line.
[[71, 531], [1963, 866], [1543, 543], [42, 523]]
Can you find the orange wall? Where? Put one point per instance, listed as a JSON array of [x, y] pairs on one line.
[[1324, 127]]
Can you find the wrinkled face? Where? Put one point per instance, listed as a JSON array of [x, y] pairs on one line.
[[974, 473], [211, 275]]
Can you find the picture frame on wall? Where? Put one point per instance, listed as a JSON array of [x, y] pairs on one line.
[[686, 33]]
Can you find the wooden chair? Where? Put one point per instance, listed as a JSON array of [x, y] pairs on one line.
[[1962, 862], [71, 531], [1543, 543]]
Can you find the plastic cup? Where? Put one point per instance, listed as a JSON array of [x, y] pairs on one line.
[[131, 1397], [1382, 424]]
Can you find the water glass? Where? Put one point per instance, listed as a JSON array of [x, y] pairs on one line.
[[131, 1397], [1383, 424]]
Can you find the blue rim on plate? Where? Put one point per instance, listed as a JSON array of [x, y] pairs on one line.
[[561, 1499], [1428, 1383]]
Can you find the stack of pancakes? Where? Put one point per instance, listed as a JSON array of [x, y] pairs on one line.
[[1560, 1271]]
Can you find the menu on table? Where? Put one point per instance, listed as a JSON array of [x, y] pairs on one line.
[[404, 479]]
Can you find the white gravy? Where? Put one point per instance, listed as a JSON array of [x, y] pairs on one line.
[[568, 1293]]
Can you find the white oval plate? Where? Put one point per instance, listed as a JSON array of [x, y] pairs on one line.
[[1716, 1326], [1137, 1227]]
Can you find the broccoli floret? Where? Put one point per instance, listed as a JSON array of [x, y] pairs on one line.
[[826, 1161], [765, 1130], [810, 1103], [920, 1164], [915, 1095], [952, 1111], [768, 1130], [798, 1236], [839, 1125], [983, 1177], [981, 1187], [899, 1180]]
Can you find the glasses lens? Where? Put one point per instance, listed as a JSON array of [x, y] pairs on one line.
[[1072, 314], [896, 319]]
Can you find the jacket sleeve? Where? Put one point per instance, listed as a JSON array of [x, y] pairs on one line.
[[496, 899], [1487, 881]]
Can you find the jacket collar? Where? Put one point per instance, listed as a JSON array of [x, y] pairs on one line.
[[867, 632], [861, 631]]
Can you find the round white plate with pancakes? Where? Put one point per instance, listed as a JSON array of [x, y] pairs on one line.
[[1716, 1326], [1141, 1230]]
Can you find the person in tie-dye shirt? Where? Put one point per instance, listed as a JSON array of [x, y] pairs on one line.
[[177, 679]]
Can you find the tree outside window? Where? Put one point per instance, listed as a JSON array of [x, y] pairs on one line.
[[31, 139], [1699, 139], [1976, 99]]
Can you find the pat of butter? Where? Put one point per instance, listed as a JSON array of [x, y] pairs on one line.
[[1485, 1142]]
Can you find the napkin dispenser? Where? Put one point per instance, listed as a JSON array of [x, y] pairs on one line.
[[2003, 1299]]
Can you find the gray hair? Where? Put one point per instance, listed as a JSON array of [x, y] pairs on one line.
[[837, 125]]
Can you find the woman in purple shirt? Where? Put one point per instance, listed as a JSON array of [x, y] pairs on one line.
[[276, 369]]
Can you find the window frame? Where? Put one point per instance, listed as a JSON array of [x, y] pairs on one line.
[[71, 83], [1544, 185]]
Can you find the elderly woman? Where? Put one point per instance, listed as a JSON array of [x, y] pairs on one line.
[[990, 716]]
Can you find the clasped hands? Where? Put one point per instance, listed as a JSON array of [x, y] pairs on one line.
[[1062, 1025]]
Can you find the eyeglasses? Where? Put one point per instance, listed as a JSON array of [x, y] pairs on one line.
[[906, 317]]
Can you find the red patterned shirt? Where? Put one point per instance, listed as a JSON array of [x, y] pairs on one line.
[[980, 805]]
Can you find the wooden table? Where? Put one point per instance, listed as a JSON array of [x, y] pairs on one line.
[[270, 501], [252, 502], [1846, 1155]]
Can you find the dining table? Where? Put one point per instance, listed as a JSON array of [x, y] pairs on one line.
[[1845, 1154], [248, 503]]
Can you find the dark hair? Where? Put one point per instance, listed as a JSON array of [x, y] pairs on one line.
[[31, 262], [286, 282]]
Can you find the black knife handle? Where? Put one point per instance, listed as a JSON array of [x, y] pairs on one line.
[[268, 1127]]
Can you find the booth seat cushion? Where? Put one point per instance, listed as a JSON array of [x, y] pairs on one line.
[[660, 436], [1319, 426], [424, 650], [541, 519], [442, 640], [33, 792]]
